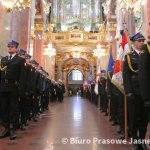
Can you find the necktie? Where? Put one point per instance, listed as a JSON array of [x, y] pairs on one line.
[[140, 53], [10, 57]]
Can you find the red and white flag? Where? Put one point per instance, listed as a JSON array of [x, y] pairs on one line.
[[97, 79], [117, 78]]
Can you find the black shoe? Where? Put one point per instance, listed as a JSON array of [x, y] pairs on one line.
[[136, 147], [102, 110], [119, 131], [5, 133], [122, 137], [47, 108], [110, 119], [106, 114], [144, 146], [22, 127], [41, 111], [12, 135], [26, 124], [35, 119], [114, 123]]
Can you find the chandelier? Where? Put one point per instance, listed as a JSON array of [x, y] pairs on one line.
[[50, 51], [16, 4], [99, 52]]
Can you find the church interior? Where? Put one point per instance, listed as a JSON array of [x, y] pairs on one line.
[[72, 40]]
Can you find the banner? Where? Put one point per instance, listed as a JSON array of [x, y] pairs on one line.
[[97, 78], [117, 78]]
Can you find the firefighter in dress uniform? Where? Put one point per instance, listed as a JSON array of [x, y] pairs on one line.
[[137, 116], [12, 77]]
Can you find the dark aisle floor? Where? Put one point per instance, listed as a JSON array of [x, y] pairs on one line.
[[76, 121]]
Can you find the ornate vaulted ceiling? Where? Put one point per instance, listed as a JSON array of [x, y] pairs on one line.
[[75, 30]]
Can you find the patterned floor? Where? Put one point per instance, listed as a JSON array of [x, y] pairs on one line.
[[72, 125]]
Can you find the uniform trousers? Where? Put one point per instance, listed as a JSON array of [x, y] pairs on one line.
[[137, 117], [10, 109]]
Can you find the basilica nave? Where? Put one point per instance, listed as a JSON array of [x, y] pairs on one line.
[[75, 83]]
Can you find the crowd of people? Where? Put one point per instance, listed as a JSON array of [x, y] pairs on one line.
[[136, 95], [25, 90]]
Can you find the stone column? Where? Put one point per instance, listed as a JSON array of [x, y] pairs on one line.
[[38, 53], [53, 60], [4, 30], [15, 25], [20, 27], [65, 81], [146, 21], [59, 71], [1, 19], [50, 66], [112, 21], [130, 21], [30, 50], [112, 42], [125, 16], [25, 29]]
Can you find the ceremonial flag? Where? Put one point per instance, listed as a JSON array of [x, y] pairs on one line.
[[97, 79], [90, 77], [111, 62], [117, 78]]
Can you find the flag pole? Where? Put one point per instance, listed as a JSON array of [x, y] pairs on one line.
[[99, 70], [126, 117], [125, 98], [109, 114], [99, 101]]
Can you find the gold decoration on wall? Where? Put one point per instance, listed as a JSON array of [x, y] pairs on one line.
[[39, 27], [78, 37], [18, 5], [33, 36], [112, 27]]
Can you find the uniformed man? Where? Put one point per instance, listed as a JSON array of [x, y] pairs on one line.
[[35, 89], [113, 95], [136, 111], [102, 91], [92, 92], [12, 77], [60, 90], [144, 75], [144, 71], [24, 102]]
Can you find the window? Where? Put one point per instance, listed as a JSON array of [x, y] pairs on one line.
[[77, 75]]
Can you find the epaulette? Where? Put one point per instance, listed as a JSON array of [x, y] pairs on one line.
[[148, 47], [2, 68], [109, 76], [131, 52]]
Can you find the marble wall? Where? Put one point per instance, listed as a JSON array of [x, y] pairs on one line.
[[146, 21], [5, 19], [20, 27]]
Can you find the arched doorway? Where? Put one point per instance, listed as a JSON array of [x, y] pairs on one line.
[[75, 82], [75, 68]]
